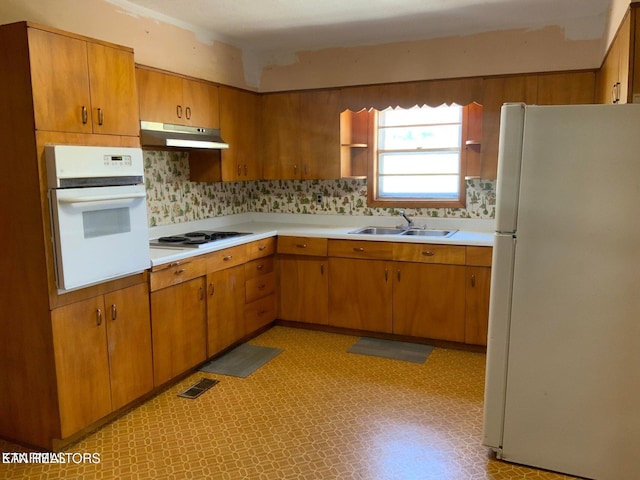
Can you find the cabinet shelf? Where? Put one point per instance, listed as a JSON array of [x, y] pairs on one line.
[[355, 145]]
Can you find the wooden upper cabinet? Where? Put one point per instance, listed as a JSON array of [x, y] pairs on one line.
[[82, 87], [168, 98], [301, 135], [566, 88], [320, 134], [497, 91], [281, 136], [613, 78], [239, 127]]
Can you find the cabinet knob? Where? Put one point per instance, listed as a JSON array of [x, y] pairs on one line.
[[260, 267], [358, 249], [428, 253], [301, 245], [227, 258]]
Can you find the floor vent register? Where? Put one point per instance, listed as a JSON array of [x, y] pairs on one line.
[[198, 388]]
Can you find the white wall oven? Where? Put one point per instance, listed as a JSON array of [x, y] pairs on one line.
[[98, 213]]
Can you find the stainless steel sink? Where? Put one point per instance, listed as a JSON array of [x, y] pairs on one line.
[[378, 231], [429, 233], [417, 232]]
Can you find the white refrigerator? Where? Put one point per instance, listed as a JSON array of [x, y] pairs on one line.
[[563, 356]]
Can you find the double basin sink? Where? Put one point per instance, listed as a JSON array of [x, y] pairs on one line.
[[417, 232]]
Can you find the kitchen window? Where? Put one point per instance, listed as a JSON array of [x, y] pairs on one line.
[[419, 158]]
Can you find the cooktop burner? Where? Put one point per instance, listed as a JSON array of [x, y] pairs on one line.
[[194, 239]]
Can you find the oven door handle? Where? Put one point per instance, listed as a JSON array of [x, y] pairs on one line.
[[101, 198]]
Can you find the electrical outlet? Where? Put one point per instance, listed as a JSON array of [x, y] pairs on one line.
[[319, 198]]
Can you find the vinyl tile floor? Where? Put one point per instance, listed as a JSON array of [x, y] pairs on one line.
[[313, 412]]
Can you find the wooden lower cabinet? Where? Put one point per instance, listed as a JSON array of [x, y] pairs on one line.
[[429, 301], [478, 282], [179, 328], [103, 355], [304, 289], [225, 308], [360, 294]]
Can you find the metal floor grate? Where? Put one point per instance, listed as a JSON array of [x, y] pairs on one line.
[[198, 388]]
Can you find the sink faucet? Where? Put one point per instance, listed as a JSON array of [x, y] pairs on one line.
[[409, 221]]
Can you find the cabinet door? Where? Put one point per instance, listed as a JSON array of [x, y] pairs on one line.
[[320, 134], [478, 282], [129, 342], [200, 103], [360, 294], [566, 88], [60, 82], [429, 301], [239, 123], [280, 136], [304, 289], [114, 102], [82, 367], [496, 92], [178, 329], [160, 96], [225, 308]]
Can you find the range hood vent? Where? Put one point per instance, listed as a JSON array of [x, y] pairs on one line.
[[166, 135]]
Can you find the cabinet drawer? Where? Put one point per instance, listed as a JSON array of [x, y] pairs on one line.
[[176, 272], [260, 313], [479, 256], [229, 257], [259, 287], [303, 246], [429, 253], [261, 248], [361, 249], [258, 267]]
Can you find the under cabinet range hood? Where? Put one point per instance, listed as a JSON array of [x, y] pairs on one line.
[[157, 134]]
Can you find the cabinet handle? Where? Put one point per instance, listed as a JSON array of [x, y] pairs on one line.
[[262, 247], [398, 273], [85, 115], [179, 111], [306, 169], [178, 272], [188, 113], [239, 170], [428, 253], [246, 170], [261, 313], [615, 93], [99, 315], [114, 311], [212, 289], [174, 264], [260, 267], [386, 274], [100, 116], [322, 269], [227, 258], [261, 286], [301, 245], [358, 249], [473, 280], [201, 293], [295, 169]]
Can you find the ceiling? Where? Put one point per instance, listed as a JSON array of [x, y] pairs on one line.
[[284, 26]]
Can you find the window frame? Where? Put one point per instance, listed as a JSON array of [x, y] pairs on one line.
[[373, 197]]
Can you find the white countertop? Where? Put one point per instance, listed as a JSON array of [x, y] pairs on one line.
[[264, 225]]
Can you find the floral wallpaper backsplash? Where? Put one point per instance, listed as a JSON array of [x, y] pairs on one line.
[[172, 198]]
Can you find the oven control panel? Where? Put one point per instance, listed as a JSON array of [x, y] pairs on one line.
[[117, 160]]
